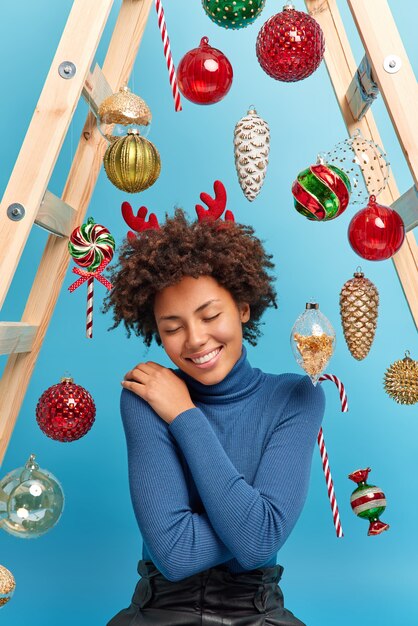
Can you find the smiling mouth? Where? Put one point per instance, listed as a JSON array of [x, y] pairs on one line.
[[206, 358]]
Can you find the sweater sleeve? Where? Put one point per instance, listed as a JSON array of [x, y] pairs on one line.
[[255, 520], [180, 542]]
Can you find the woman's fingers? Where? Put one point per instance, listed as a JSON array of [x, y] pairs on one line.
[[143, 371], [138, 388]]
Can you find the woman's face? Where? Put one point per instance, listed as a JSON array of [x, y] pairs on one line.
[[200, 326]]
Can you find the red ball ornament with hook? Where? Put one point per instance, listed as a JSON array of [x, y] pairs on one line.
[[204, 74]]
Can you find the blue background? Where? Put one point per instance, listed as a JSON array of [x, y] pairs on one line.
[[84, 570]]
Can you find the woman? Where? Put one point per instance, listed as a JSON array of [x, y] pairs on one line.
[[219, 452]]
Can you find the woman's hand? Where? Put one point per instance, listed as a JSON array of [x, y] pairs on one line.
[[165, 392]]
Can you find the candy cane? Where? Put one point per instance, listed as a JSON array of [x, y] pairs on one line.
[[168, 55], [89, 318], [90, 276], [324, 454], [341, 389]]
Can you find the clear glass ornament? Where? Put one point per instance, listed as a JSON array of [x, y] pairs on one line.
[[313, 341], [365, 164], [31, 501], [121, 112]]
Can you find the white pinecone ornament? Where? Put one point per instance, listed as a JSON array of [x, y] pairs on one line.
[[251, 148], [401, 380], [359, 302]]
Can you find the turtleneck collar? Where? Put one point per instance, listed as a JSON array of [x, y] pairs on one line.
[[239, 382]]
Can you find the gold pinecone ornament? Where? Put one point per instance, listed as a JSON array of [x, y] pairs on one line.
[[251, 148], [359, 302], [401, 380]]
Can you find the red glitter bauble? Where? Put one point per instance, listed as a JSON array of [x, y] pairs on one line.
[[66, 411], [290, 45], [376, 232], [204, 74]]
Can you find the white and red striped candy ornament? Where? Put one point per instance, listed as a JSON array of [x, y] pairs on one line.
[[168, 55], [92, 246], [324, 454], [368, 501]]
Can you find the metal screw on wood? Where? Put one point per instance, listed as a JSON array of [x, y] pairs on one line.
[[16, 212], [392, 64], [67, 69]]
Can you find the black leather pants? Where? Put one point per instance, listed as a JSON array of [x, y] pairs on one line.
[[210, 598]]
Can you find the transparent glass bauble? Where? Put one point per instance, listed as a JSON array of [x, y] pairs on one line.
[[365, 164], [31, 501], [121, 112], [120, 130], [313, 341]]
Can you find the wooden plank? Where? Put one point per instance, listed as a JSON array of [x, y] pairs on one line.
[[16, 337], [47, 130], [96, 89], [399, 90], [78, 190], [341, 68], [55, 215]]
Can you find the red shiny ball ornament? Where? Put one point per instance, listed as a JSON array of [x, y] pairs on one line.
[[290, 45], [204, 74], [66, 411], [376, 232]]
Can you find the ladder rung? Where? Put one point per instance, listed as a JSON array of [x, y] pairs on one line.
[[363, 90], [16, 337], [96, 89], [55, 215], [407, 207]]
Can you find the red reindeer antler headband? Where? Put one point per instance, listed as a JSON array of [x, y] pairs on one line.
[[216, 206], [138, 222]]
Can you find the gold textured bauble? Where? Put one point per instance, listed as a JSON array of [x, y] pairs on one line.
[[132, 163], [124, 107], [7, 585], [401, 380], [359, 302]]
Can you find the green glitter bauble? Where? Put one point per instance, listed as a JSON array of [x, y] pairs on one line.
[[233, 13]]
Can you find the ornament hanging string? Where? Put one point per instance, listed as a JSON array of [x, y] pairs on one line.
[[90, 276], [168, 55], [324, 454]]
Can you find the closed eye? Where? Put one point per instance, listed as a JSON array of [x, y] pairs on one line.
[[208, 319]]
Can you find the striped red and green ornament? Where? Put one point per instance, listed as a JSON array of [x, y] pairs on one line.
[[91, 244], [368, 501], [321, 192]]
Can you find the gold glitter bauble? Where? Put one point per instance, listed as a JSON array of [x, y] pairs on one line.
[[359, 302], [7, 585], [401, 380], [124, 107], [132, 163]]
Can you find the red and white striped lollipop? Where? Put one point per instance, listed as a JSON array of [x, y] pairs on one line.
[[91, 244]]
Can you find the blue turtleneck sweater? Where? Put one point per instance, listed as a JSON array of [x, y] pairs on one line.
[[224, 482]]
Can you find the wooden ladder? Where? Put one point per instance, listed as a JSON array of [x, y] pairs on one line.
[[27, 189], [399, 90], [26, 199]]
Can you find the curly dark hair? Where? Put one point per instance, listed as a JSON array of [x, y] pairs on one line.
[[158, 258]]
